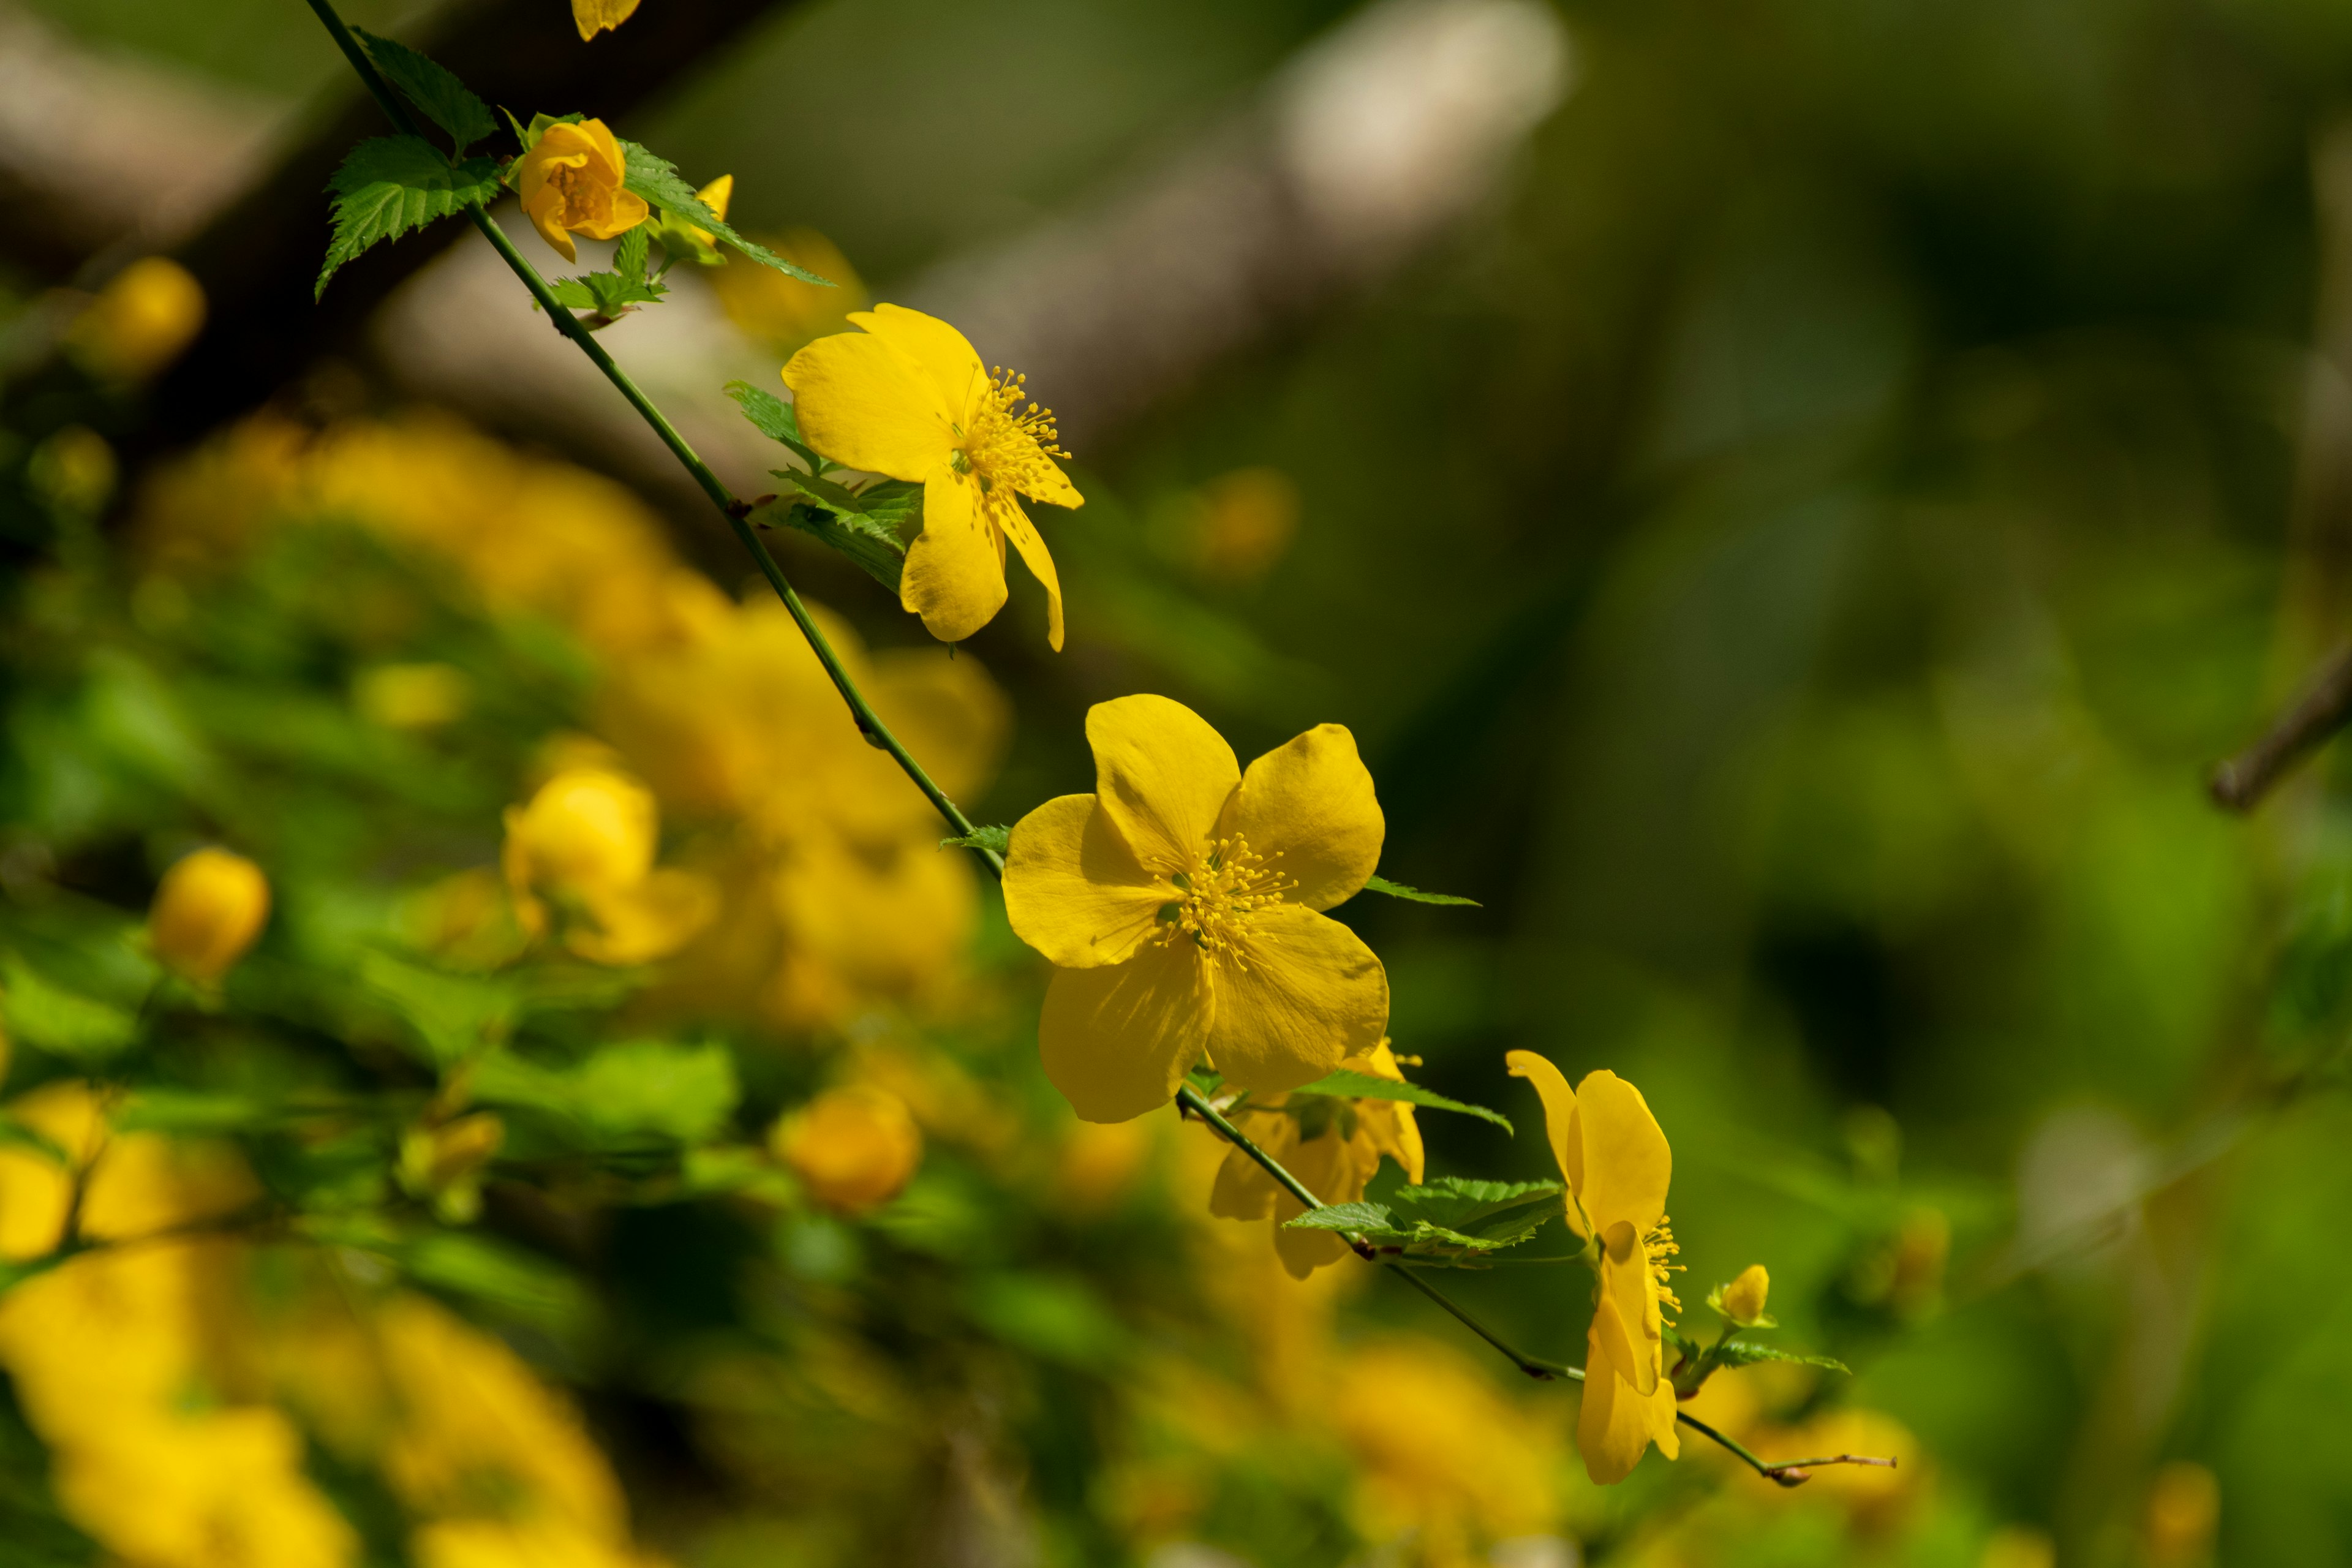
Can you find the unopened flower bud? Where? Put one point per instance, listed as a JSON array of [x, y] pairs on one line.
[[141, 320], [853, 1148], [208, 910], [1742, 1301]]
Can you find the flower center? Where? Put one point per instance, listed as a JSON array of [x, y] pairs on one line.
[[1216, 896], [1656, 1248], [1009, 448]]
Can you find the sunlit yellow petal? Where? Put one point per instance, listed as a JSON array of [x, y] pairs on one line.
[[1560, 1122], [1629, 1293], [1305, 994], [1045, 482], [1627, 1164], [1017, 527], [1073, 889], [1327, 1168], [861, 404], [1312, 801], [1118, 1040], [1615, 1424], [593, 17], [934, 350], [1163, 775], [954, 577]]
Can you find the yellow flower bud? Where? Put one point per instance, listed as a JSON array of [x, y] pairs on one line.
[[571, 182], [853, 1148], [208, 910], [587, 831], [141, 320], [1742, 1301]]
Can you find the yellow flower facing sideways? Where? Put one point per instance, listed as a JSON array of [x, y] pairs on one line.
[[208, 910], [571, 182], [907, 397], [1332, 1145], [1180, 905], [586, 844], [1616, 1163]]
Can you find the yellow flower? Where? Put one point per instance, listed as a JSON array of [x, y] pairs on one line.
[[586, 843], [593, 17], [1180, 905], [853, 1148], [780, 311], [208, 910], [1332, 1145], [571, 183], [1742, 1301], [141, 320], [1617, 1165], [909, 398]]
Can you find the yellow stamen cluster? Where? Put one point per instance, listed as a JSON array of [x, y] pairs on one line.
[[1008, 447], [1218, 894], [1659, 1246]]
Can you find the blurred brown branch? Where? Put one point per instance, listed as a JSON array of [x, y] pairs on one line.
[[2239, 783]]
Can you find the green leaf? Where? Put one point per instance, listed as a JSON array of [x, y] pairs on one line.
[[1207, 1080], [391, 184], [1399, 890], [867, 538], [1056, 1317], [519, 1285], [778, 421], [186, 1111], [455, 1015], [1349, 1084], [656, 179], [46, 1016], [1739, 1352], [444, 101], [1451, 1219], [999, 839], [623, 1093]]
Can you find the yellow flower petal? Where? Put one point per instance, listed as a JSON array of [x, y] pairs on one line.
[[1118, 1040], [1559, 1121], [1306, 994], [1163, 775], [593, 17], [1615, 1424], [942, 356], [1630, 1293], [1016, 523], [1047, 483], [1073, 889], [1243, 1190], [1329, 1168], [649, 920], [1311, 801], [954, 577], [862, 404], [1627, 1164]]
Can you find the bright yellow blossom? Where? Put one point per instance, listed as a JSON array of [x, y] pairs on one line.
[[1617, 1165], [593, 17], [1743, 1300], [1332, 1145], [571, 182], [1180, 905], [909, 398], [586, 843], [208, 910], [851, 1147]]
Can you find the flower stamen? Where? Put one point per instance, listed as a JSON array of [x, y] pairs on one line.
[[1227, 884], [1656, 1248]]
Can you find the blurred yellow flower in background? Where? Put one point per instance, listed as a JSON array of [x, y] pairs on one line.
[[2182, 1516], [1180, 905], [209, 908], [141, 320], [851, 1147], [778, 311], [593, 17], [1332, 1145], [1617, 1165], [571, 182], [909, 398], [586, 845]]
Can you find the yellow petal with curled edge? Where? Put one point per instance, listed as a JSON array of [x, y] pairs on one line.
[[863, 405], [1163, 775], [1118, 1040], [1312, 801], [1627, 1164], [936, 351], [954, 575], [1016, 526], [593, 17], [1305, 995], [1629, 1291], [1073, 889], [1387, 1125], [1616, 1421], [1560, 1123]]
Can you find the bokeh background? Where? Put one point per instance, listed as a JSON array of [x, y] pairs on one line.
[[1790, 499]]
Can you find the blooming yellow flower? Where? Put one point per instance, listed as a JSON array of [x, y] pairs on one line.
[[1616, 1163], [586, 843], [1181, 906], [208, 910], [593, 17], [571, 182], [853, 1147], [909, 398], [1332, 1145]]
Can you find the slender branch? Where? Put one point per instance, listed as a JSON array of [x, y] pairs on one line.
[[1787, 1472], [2239, 783]]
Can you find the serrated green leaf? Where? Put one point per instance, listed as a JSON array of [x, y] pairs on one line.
[[1399, 890], [1449, 1219], [656, 179], [1739, 1352], [778, 421], [444, 101], [49, 1017], [870, 544], [1349, 1084], [389, 185], [999, 839]]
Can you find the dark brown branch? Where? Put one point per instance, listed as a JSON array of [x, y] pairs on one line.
[[2239, 783]]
